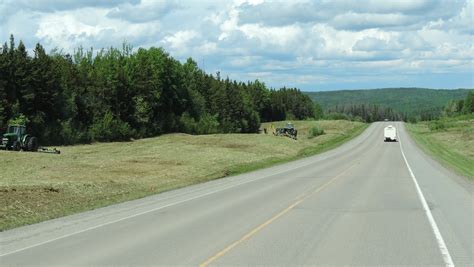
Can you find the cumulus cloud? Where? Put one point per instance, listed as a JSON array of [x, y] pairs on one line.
[[146, 10], [59, 5], [361, 21], [179, 40], [375, 44], [352, 15], [387, 6], [283, 13], [91, 28], [461, 23]]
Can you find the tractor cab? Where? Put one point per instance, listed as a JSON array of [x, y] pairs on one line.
[[16, 138], [289, 125], [15, 130]]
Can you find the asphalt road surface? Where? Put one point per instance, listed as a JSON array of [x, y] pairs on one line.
[[359, 204]]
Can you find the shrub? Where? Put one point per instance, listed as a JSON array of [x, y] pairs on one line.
[[437, 125], [337, 116], [109, 128], [71, 135], [187, 123], [315, 131], [19, 120], [413, 119], [207, 124]]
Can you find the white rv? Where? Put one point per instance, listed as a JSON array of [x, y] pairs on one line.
[[390, 134]]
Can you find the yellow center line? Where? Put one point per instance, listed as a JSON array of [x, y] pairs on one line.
[[300, 199]]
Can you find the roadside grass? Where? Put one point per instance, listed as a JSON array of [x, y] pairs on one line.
[[449, 140], [35, 187]]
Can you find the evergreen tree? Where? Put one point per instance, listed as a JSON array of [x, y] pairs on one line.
[[4, 104], [117, 94], [468, 106]]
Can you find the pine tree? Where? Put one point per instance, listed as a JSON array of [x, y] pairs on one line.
[[469, 103], [4, 106]]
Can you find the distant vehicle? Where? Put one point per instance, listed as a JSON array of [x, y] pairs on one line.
[[386, 119], [390, 134], [289, 130]]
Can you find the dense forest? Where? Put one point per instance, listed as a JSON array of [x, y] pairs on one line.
[[362, 112], [408, 103], [374, 112], [119, 94], [461, 106]]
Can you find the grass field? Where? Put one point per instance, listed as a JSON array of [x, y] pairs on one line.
[[450, 140], [35, 187]]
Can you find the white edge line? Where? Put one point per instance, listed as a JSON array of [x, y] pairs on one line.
[[439, 238]]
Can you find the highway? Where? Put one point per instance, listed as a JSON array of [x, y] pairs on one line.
[[366, 202]]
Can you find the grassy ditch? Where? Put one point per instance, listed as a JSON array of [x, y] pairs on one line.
[[449, 140], [35, 187]]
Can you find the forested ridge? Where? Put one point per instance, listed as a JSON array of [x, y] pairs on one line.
[[363, 112], [119, 94], [402, 103]]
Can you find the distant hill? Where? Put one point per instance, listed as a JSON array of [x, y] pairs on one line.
[[409, 101]]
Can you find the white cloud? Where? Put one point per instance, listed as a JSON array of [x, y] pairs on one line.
[[59, 5], [273, 36], [180, 40], [461, 23], [360, 21], [146, 10], [375, 44], [386, 6], [90, 27], [351, 15]]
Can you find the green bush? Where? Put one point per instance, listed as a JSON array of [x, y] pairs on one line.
[[438, 125], [70, 134], [109, 128], [315, 131], [19, 120], [207, 124], [337, 116], [413, 119], [187, 123]]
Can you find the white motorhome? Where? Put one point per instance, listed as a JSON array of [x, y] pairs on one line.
[[390, 134]]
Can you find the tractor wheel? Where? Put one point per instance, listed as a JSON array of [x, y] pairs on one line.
[[16, 146], [32, 144]]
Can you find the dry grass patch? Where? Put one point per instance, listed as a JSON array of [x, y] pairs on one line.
[[36, 187]]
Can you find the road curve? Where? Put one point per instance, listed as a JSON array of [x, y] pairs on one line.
[[359, 204]]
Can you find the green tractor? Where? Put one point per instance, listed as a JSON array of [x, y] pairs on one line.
[[17, 139]]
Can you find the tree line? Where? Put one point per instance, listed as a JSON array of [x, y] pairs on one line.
[[453, 108], [118, 94], [373, 112], [363, 112], [461, 106]]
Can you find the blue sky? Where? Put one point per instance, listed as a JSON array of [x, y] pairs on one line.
[[312, 45]]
